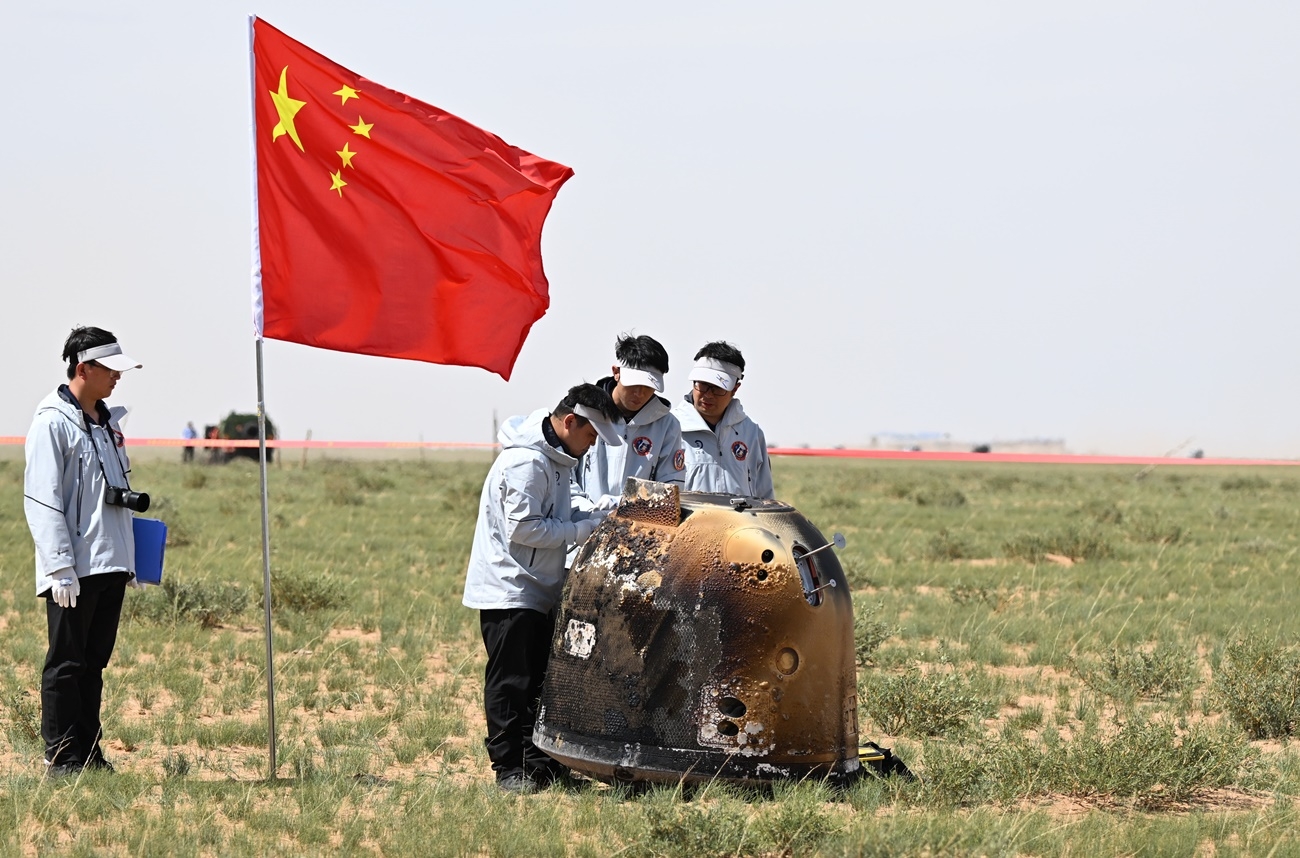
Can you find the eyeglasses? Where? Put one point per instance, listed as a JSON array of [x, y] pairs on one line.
[[705, 389], [96, 363]]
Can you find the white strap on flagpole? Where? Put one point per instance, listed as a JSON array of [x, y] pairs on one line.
[[261, 412], [252, 141]]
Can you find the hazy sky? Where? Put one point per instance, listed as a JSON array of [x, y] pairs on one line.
[[996, 220]]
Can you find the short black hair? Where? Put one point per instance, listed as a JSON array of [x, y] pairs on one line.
[[80, 340], [724, 352], [591, 396], [643, 353]]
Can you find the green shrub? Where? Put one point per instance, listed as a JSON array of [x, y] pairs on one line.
[[675, 827], [1253, 483], [302, 592], [1102, 512], [949, 498], [948, 546], [1165, 671], [1258, 683], [917, 703], [1152, 528], [1151, 763], [869, 632], [1146, 763], [23, 712], [967, 594], [1073, 542], [178, 530], [207, 603]]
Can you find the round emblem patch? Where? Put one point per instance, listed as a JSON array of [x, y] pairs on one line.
[[739, 450], [679, 460], [642, 445]]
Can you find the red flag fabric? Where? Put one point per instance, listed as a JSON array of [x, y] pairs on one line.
[[386, 226]]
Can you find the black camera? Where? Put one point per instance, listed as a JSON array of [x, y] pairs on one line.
[[134, 501]]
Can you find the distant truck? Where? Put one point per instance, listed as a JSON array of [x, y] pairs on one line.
[[237, 427]]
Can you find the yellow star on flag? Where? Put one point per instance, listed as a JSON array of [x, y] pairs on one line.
[[347, 156], [362, 128], [338, 184], [286, 108], [347, 92]]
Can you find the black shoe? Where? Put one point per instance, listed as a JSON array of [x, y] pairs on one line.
[[61, 770], [98, 762], [519, 784], [554, 776]]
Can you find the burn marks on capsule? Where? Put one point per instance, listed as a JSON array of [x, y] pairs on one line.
[[706, 658]]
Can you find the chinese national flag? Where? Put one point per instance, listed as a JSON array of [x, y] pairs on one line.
[[387, 226]]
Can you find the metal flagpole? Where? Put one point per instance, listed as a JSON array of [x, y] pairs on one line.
[[261, 410], [266, 560]]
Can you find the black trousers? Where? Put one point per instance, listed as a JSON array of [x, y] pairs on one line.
[[518, 643], [72, 683]]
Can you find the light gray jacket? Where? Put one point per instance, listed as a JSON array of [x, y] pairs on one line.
[[732, 460], [651, 440], [63, 493], [525, 522]]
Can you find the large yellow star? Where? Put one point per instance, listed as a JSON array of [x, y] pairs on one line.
[[287, 108], [347, 156], [347, 92], [362, 128], [338, 184]]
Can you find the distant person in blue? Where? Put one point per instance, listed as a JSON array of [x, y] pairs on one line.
[[189, 433], [85, 545]]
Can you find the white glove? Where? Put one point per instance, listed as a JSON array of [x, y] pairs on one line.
[[66, 590], [608, 502], [585, 527]]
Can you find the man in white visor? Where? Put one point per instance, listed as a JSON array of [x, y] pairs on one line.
[[526, 523], [81, 524], [651, 434], [722, 449]]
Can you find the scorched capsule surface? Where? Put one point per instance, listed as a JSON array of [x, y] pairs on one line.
[[695, 638]]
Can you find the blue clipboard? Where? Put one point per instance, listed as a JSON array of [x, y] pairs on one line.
[[150, 543]]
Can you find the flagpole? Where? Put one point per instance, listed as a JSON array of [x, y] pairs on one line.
[[266, 563], [261, 411]]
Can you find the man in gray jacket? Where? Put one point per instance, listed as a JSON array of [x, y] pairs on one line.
[[652, 435], [526, 522], [85, 546], [722, 448]]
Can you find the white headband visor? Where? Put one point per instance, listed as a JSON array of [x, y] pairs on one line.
[[109, 356], [629, 377], [610, 433], [717, 373]]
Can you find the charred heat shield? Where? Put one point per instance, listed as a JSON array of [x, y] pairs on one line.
[[702, 636]]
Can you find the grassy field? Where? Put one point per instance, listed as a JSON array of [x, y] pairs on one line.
[[1076, 660]]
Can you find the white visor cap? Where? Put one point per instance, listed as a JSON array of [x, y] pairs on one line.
[[109, 356], [629, 377], [610, 433], [717, 373]]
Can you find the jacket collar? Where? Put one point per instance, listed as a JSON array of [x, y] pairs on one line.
[[691, 420]]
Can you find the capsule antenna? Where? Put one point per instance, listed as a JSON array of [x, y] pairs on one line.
[[831, 583], [838, 541]]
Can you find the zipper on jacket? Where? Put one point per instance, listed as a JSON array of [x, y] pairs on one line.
[[81, 467]]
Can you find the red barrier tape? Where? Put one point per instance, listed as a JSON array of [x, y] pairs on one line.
[[1024, 458], [905, 455]]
